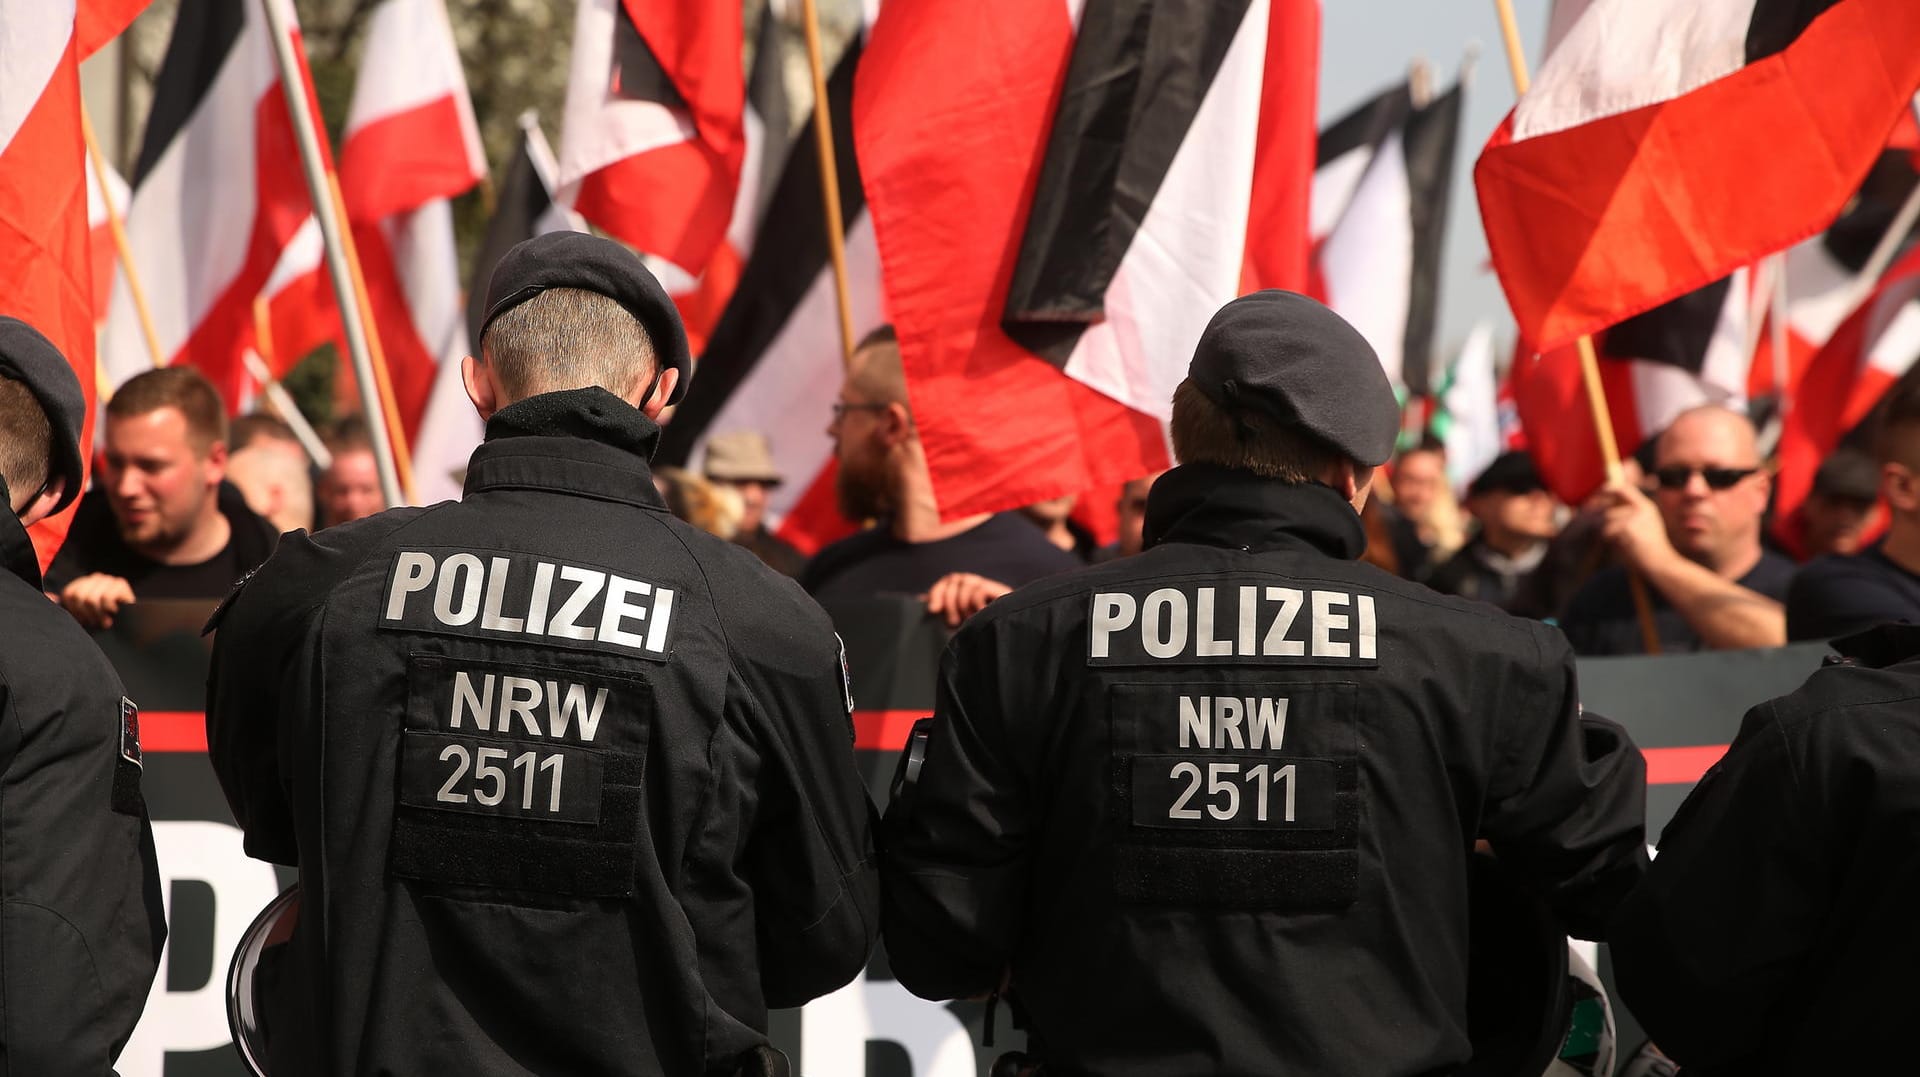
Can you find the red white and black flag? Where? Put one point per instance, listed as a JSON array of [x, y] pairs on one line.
[[218, 195], [1102, 179], [1688, 351], [1382, 182], [46, 261], [654, 139], [1663, 145], [1872, 349], [773, 362]]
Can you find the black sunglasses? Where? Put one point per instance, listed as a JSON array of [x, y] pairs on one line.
[[1677, 476]]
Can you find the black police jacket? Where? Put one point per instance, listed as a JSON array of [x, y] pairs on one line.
[[81, 919], [1774, 933], [570, 784], [1213, 805]]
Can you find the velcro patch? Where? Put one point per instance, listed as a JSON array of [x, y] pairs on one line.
[[1237, 792]]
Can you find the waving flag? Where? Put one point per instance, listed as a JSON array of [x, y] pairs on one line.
[[1662, 145], [1381, 185], [218, 195], [411, 145], [1090, 194]]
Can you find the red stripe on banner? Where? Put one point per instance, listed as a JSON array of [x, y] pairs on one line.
[[402, 161], [173, 731], [674, 201], [884, 731], [1277, 240], [1681, 766]]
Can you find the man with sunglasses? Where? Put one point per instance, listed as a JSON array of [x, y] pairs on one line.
[[1696, 543]]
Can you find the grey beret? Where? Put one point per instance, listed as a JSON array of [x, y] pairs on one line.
[[28, 357], [1282, 355], [594, 264]]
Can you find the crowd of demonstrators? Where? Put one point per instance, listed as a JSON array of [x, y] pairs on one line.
[[161, 520]]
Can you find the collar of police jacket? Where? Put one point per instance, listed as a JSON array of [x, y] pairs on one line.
[[1217, 506], [613, 463], [1882, 646], [16, 549]]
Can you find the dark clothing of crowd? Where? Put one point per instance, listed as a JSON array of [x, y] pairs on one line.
[[94, 545]]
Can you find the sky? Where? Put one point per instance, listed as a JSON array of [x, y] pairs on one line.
[[1366, 45]]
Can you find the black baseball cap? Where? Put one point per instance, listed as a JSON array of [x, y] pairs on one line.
[[1510, 473], [30, 358], [1283, 355], [594, 264]]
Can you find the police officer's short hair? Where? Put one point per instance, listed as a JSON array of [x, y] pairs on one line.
[[26, 438], [182, 388], [1203, 432], [567, 338]]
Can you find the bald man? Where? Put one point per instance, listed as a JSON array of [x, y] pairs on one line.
[[1696, 541]]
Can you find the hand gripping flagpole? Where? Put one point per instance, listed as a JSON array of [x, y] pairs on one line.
[[1589, 360], [352, 320], [829, 178]]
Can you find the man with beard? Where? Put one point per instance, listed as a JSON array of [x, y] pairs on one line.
[[162, 522], [883, 477]]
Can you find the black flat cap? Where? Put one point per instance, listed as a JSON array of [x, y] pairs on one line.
[[1510, 473], [1848, 475], [590, 263], [1283, 355], [29, 358]]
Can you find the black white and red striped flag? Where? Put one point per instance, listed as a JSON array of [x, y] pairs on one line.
[[1663, 145], [1382, 181], [46, 259], [1870, 351], [411, 145], [1689, 351], [218, 196], [773, 362], [1096, 188], [654, 139]]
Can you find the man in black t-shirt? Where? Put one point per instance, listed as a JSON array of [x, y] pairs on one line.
[[1696, 542], [1838, 596], [161, 522], [959, 564]]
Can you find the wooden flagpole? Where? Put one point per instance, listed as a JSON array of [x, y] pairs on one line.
[[121, 248], [829, 178], [352, 321], [383, 375], [260, 364], [1589, 360]]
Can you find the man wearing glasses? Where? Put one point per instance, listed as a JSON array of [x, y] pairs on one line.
[[1695, 541]]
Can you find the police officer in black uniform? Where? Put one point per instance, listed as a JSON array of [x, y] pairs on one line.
[[1210, 809], [570, 784], [1775, 932], [79, 886]]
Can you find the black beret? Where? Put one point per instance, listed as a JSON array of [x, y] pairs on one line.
[[594, 264], [1848, 475], [1510, 472], [29, 358], [1285, 356]]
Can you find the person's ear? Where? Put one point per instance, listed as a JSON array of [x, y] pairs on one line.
[[217, 462], [657, 403], [896, 425], [480, 388], [1899, 486]]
